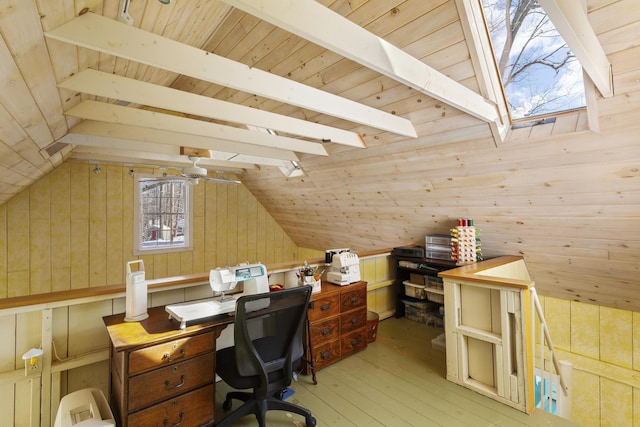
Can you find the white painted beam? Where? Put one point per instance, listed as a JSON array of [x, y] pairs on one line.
[[159, 137], [111, 37], [570, 19], [126, 145], [108, 85], [111, 113], [318, 24], [107, 154]]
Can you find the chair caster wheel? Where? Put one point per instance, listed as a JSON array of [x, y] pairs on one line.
[[311, 422], [227, 404]]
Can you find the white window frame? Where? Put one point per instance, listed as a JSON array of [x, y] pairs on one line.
[[138, 248], [490, 85]]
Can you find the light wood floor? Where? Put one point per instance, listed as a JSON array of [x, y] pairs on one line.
[[399, 380]]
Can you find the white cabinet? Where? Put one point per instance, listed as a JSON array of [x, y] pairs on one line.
[[488, 330]]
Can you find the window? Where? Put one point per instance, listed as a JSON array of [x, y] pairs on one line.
[[163, 214], [540, 75]]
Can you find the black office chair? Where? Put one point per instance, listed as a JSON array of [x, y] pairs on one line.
[[268, 332]]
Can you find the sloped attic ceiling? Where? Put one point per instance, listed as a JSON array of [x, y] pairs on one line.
[[567, 201]]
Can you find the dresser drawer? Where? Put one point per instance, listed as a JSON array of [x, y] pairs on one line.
[[190, 409], [324, 306], [324, 330], [353, 342], [160, 384], [355, 319], [326, 354], [167, 353], [353, 298]]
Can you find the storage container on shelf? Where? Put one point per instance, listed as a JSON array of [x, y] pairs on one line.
[[414, 291]]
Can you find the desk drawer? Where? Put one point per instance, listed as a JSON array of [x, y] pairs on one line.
[[353, 342], [353, 298], [160, 384], [324, 306], [325, 330], [167, 353], [326, 354], [190, 409], [355, 319]]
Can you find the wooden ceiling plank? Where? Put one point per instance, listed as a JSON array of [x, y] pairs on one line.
[[570, 19], [310, 20], [108, 36], [135, 133], [117, 87], [100, 111]]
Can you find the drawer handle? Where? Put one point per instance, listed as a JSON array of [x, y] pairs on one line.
[[168, 358], [355, 342], [325, 354], [326, 331], [325, 307], [354, 320], [166, 421], [355, 299], [168, 386]]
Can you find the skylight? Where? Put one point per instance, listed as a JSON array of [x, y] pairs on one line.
[[540, 74]]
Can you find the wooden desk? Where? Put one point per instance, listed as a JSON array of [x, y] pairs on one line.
[[161, 374]]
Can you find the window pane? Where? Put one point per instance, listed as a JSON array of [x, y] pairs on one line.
[[540, 74], [163, 214]]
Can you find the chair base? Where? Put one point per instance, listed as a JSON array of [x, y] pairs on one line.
[[259, 408]]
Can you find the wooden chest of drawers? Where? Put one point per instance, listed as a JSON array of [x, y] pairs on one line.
[[161, 375], [337, 319]]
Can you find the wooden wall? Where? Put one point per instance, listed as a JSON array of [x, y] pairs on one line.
[[73, 229]]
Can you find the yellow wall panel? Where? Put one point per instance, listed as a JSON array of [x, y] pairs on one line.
[[18, 232], [79, 253], [368, 270], [40, 256], [3, 251], [61, 229], [114, 221], [616, 335], [384, 268], [557, 313], [585, 407], [98, 229], [74, 229], [585, 329], [616, 404]]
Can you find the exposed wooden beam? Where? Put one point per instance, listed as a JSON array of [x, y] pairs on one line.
[[157, 136], [105, 154], [124, 146], [319, 24], [122, 88], [109, 36], [570, 19], [111, 113]]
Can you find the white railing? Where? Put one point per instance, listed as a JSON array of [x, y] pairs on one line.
[[552, 389]]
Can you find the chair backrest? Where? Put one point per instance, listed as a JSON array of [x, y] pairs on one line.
[[268, 332]]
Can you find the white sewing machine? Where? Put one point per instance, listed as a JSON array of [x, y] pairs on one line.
[[345, 269], [254, 281]]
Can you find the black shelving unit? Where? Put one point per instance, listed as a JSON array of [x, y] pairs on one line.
[[425, 266]]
